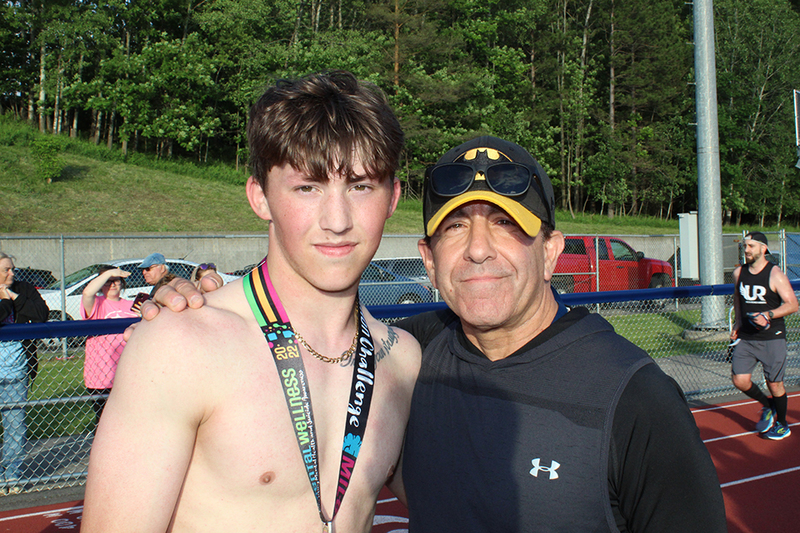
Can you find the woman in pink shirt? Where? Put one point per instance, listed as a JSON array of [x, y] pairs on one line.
[[103, 351]]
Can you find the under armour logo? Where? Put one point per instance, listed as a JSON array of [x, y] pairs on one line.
[[552, 468]]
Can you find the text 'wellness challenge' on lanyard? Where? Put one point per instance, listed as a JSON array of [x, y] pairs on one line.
[[274, 322]]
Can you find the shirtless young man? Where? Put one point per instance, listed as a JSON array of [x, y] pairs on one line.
[[197, 434]]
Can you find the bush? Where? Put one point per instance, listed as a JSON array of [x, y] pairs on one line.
[[45, 156], [15, 132]]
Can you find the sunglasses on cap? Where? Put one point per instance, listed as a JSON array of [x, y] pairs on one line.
[[506, 179], [206, 266]]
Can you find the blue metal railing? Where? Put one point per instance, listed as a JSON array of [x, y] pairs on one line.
[[68, 328], [82, 328], [577, 298]]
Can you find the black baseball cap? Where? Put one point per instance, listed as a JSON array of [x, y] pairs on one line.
[[536, 204], [758, 237]]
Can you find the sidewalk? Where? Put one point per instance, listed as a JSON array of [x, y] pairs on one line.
[[709, 375], [41, 498]]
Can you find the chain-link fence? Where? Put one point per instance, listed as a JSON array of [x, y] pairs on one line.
[[61, 267], [51, 401], [51, 414], [67, 394], [697, 356]]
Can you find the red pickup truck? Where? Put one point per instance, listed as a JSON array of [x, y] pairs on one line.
[[620, 266]]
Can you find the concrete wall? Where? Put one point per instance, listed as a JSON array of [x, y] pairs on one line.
[[229, 252]]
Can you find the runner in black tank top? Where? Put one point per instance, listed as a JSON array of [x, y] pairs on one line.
[[763, 297]]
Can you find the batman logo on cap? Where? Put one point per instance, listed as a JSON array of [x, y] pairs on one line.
[[528, 207]]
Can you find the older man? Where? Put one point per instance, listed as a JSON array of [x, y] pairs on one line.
[[156, 271], [528, 416]]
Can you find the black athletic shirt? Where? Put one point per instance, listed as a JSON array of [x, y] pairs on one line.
[[755, 296], [646, 491]]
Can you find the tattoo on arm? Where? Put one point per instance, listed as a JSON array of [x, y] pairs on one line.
[[386, 344], [381, 351]]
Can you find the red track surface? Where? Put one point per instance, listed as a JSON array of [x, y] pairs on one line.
[[760, 479], [48, 519]]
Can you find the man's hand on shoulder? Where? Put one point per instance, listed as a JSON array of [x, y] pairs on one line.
[[176, 296], [211, 282]]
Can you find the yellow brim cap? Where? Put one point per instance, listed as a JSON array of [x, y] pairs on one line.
[[529, 222]]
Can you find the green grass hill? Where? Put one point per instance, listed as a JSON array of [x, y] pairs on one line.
[[96, 190]]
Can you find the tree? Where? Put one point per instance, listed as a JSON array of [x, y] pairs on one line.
[[757, 70], [648, 70]]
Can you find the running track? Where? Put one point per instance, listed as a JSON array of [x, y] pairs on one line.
[[759, 478]]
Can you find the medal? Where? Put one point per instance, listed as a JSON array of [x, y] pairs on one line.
[[280, 337]]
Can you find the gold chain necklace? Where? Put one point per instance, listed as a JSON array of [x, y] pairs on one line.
[[333, 360]]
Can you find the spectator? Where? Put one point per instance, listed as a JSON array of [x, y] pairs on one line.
[[156, 271], [30, 307], [206, 270], [19, 303], [103, 351]]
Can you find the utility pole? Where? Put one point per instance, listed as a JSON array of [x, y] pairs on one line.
[[709, 208]]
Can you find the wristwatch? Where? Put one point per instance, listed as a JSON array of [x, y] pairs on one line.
[[771, 314]]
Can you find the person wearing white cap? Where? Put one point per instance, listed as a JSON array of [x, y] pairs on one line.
[[762, 298]]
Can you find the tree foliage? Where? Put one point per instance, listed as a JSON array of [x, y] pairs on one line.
[[600, 91]]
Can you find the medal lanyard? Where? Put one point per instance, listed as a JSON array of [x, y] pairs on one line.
[[277, 329]]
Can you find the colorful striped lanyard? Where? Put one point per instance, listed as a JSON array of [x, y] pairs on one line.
[[277, 329]]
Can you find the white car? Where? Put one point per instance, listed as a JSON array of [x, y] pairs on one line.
[[134, 284], [410, 267]]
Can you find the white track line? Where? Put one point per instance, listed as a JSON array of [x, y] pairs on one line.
[[762, 476], [728, 406], [744, 402], [724, 437], [40, 513], [754, 478]]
